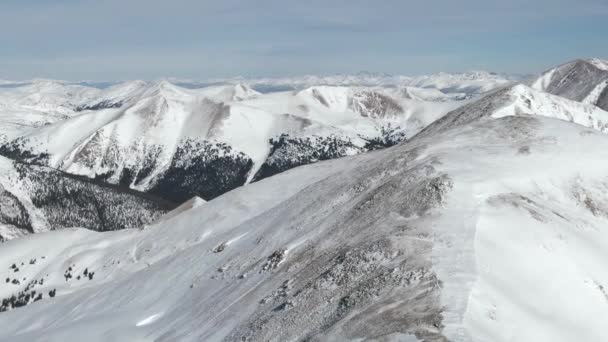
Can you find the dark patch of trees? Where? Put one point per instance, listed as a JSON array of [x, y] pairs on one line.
[[204, 169]]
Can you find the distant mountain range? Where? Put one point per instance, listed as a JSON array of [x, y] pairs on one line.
[[465, 82], [177, 142], [461, 210], [174, 142]]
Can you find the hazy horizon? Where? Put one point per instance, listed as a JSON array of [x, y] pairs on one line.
[[115, 40]]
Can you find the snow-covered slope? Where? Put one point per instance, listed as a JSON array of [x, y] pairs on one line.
[[583, 80], [490, 229], [47, 96], [36, 199], [179, 143], [520, 99], [39, 103]]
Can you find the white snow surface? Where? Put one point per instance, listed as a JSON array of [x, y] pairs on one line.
[[161, 114], [525, 100], [518, 244], [543, 81], [599, 63], [595, 94], [37, 104]]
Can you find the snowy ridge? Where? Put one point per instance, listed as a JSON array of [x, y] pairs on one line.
[[581, 80], [599, 63], [528, 101], [543, 82], [482, 222], [407, 243], [158, 137], [474, 82], [522, 100], [142, 134], [46, 96], [596, 93], [39, 103]]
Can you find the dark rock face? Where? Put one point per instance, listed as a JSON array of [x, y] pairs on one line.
[[577, 80], [602, 101], [319, 97], [375, 105]]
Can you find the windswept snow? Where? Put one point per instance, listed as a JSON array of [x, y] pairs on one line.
[[528, 101], [582, 80], [484, 224], [599, 63], [407, 241], [522, 100]]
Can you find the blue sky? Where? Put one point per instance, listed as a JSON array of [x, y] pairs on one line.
[[200, 39]]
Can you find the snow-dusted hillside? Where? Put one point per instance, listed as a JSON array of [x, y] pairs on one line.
[[488, 229], [583, 80], [178, 143], [39, 103], [520, 99], [36, 199], [181, 142]]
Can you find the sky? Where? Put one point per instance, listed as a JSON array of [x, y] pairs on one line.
[[104, 40]]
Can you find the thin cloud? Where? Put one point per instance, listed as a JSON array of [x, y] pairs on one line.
[[153, 38]]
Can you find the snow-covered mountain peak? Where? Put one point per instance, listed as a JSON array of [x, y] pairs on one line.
[[229, 92], [599, 63], [402, 244], [47, 96], [167, 90], [527, 100], [333, 97], [582, 80], [519, 99], [242, 91]]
